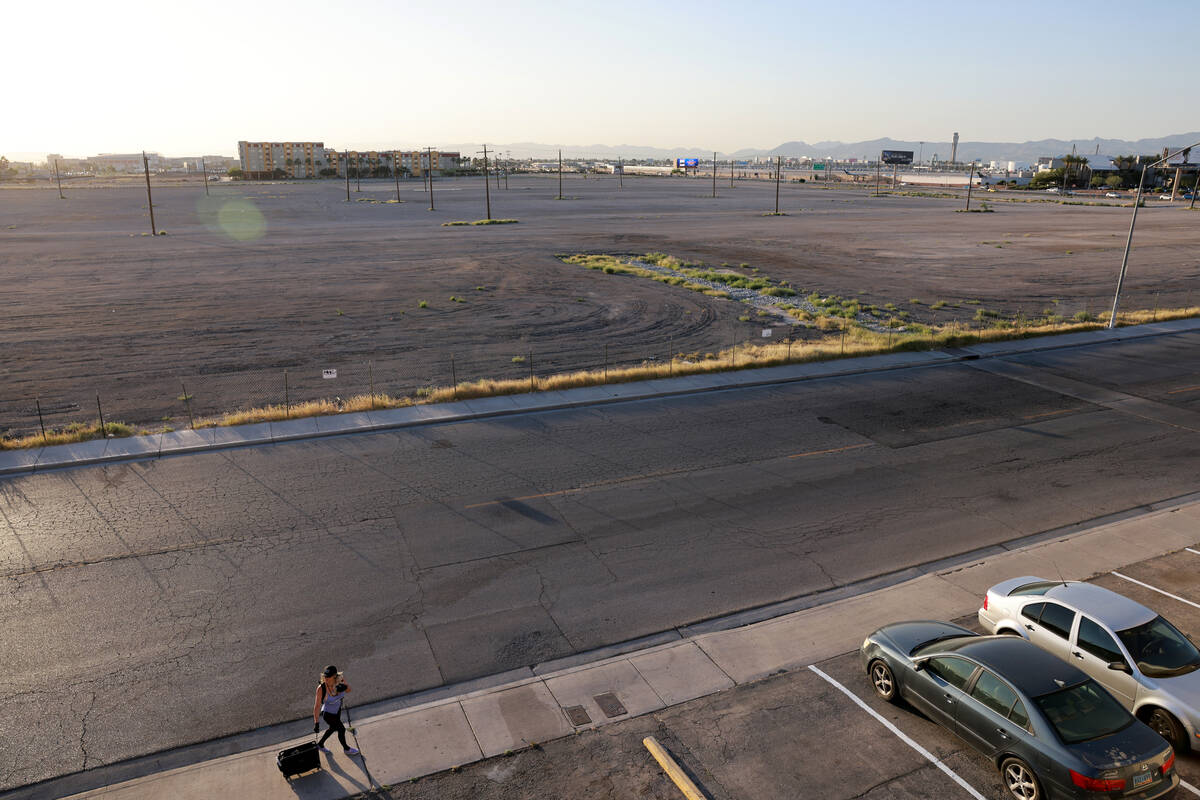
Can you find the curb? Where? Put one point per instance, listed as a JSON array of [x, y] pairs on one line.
[[101, 451]]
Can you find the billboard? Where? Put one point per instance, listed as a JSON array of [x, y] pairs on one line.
[[687, 163], [896, 157]]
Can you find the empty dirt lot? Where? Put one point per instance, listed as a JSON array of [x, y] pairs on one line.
[[258, 279]]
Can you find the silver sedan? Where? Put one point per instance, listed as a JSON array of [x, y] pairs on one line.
[[1141, 658]]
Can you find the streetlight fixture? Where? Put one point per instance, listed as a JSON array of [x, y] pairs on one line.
[[1137, 201]]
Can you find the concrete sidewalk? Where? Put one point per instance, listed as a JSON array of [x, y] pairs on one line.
[[190, 441], [552, 703]]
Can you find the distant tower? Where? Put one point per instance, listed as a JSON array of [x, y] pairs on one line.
[[954, 150]]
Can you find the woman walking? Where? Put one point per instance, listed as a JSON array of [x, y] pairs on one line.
[[330, 693]]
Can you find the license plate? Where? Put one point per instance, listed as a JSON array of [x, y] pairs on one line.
[[1141, 780]]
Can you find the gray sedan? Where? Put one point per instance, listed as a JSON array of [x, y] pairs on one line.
[[1051, 730], [1141, 658]]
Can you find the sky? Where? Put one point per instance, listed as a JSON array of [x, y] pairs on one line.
[[184, 79]]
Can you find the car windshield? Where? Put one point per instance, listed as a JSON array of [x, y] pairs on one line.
[[1159, 649], [927, 645], [1083, 712]]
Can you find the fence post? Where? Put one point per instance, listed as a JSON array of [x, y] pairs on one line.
[[287, 406], [671, 355], [103, 427], [188, 402], [789, 350], [1155, 307], [453, 377], [41, 423], [371, 379], [845, 325], [531, 388], [606, 363]]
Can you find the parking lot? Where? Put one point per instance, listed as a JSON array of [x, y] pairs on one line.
[[814, 732]]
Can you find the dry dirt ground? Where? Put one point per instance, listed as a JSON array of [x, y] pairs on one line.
[[256, 280]]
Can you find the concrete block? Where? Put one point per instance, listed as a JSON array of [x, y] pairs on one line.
[[284, 430], [345, 423], [65, 455], [511, 719], [580, 687], [681, 673], [412, 744], [15, 461]]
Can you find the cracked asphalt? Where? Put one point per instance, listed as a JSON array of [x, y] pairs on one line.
[[151, 604]]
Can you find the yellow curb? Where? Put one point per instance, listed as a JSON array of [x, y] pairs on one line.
[[682, 781]]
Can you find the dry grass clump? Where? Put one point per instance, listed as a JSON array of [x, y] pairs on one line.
[[841, 339]]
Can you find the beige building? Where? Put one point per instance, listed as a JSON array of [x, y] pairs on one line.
[[297, 159]]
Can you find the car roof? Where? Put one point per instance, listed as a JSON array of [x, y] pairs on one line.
[[1116, 611], [1023, 664]]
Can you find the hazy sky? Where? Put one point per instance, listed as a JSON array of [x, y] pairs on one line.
[[183, 78]]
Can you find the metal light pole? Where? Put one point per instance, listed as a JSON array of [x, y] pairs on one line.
[[560, 174], [486, 192], [357, 172], [204, 172], [920, 152], [778, 173], [149, 198], [429, 152], [1137, 201], [396, 172], [346, 160], [970, 171], [58, 180], [621, 175], [714, 174]]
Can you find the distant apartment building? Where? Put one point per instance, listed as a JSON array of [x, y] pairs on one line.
[[307, 159], [297, 159]]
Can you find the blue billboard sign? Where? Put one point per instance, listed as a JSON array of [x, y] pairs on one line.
[[687, 163]]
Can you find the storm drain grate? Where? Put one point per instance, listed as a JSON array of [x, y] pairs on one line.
[[610, 705]]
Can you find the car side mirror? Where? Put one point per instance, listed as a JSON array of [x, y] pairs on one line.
[[1120, 666], [919, 664]]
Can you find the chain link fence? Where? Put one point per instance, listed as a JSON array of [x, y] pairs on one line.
[[189, 399]]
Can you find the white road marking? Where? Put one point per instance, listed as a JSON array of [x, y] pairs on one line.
[[1156, 589], [901, 735], [1190, 550], [1190, 788]]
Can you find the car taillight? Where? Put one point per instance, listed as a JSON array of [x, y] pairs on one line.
[[985, 602], [1170, 762], [1097, 784]]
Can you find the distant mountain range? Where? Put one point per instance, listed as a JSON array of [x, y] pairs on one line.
[[1021, 152]]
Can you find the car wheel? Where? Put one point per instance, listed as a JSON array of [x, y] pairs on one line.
[[1163, 723], [1010, 632], [1019, 780], [883, 680]]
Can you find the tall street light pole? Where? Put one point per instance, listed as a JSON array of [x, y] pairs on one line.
[[429, 155], [396, 172], [346, 164], [1137, 201], [58, 180], [149, 198], [486, 192], [778, 173], [560, 175], [204, 172], [714, 173]]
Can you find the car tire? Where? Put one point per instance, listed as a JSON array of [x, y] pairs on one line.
[[1163, 723], [883, 680], [1010, 632], [1019, 780]]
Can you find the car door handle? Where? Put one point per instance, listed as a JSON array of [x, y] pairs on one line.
[[1078, 655], [949, 698], [1003, 733], [1029, 627]]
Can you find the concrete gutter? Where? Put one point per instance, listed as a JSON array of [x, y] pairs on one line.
[[157, 445]]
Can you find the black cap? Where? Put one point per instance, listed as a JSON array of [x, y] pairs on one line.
[[330, 671]]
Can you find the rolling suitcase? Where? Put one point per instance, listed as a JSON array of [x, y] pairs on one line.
[[299, 759]]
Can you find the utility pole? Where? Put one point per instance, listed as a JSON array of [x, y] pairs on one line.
[[560, 175], [920, 152], [878, 187], [204, 172], [149, 198], [59, 180], [487, 194], [714, 174], [621, 175], [731, 172], [778, 173], [497, 172], [357, 172], [346, 169], [396, 172], [429, 154], [970, 170]]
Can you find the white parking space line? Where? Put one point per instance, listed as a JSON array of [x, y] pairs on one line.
[[1190, 788], [1155, 589], [900, 734], [1190, 550]]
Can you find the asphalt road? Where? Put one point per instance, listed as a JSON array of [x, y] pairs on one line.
[[151, 604]]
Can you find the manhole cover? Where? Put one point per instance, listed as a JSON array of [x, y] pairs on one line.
[[577, 715], [610, 705]]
